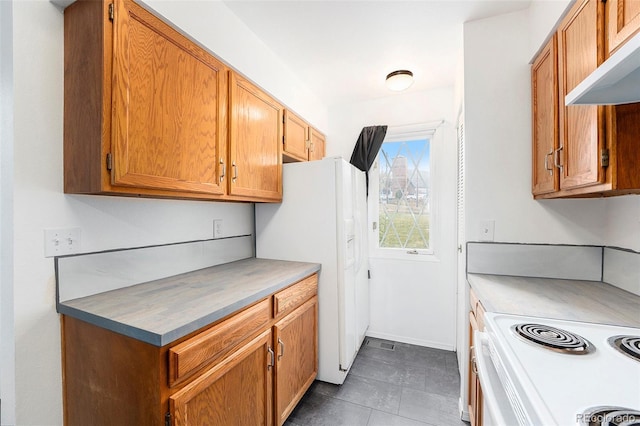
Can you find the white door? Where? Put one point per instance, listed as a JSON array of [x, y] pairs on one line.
[[412, 237]]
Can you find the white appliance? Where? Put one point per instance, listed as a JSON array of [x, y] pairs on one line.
[[322, 219], [524, 383]]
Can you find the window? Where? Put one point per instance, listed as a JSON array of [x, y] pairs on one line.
[[402, 215]]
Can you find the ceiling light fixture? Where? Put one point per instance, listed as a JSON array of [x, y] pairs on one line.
[[399, 80]]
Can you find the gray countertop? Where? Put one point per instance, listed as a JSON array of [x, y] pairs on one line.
[[162, 311], [574, 300]]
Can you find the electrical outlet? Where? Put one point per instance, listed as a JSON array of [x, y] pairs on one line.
[[217, 228], [61, 241], [487, 228]]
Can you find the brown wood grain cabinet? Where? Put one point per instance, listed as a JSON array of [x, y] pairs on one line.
[[236, 391], [145, 108], [297, 357], [317, 145], [623, 22], [296, 138], [249, 368], [588, 158], [255, 127], [149, 112], [302, 142], [474, 390], [544, 84]]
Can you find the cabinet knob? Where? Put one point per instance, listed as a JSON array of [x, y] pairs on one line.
[[224, 170], [235, 171]]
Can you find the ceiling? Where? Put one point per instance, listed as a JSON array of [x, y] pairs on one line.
[[343, 50]]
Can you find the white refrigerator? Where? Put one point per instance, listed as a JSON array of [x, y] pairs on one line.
[[322, 219]]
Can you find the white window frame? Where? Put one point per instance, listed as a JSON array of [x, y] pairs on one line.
[[433, 132]]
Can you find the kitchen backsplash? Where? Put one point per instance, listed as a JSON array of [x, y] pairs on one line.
[[622, 269], [615, 266], [92, 273]]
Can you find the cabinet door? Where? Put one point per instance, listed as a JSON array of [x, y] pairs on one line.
[[255, 142], [235, 392], [169, 107], [544, 84], [296, 137], [474, 389], [317, 145], [580, 41], [296, 342], [623, 21]]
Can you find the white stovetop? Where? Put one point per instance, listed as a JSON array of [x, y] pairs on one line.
[[560, 386]]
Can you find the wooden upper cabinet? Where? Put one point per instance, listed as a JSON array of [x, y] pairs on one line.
[[296, 138], [255, 142], [145, 107], [317, 145], [169, 107], [301, 141], [623, 22], [597, 153], [582, 136], [544, 83]]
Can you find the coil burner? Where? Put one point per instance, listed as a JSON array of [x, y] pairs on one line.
[[627, 345], [609, 416], [553, 338]]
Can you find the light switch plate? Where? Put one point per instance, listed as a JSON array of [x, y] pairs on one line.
[[487, 228], [61, 241]]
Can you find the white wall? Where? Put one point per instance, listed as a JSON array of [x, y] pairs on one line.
[[543, 17], [7, 354], [411, 301], [215, 26], [106, 222], [498, 144], [498, 148]]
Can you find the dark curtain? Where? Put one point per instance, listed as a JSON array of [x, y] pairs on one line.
[[367, 148]]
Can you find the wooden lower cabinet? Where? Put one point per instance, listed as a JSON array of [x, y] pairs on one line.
[[296, 343], [249, 368], [237, 391], [476, 323]]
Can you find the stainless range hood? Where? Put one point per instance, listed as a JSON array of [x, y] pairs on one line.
[[616, 81]]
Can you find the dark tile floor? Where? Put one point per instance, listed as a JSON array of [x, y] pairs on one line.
[[409, 386]]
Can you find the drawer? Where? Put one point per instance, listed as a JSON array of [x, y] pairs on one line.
[[293, 296], [202, 349]]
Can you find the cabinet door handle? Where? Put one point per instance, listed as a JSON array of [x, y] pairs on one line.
[[235, 171], [474, 365], [224, 170], [272, 358], [281, 343], [556, 158], [546, 162]]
